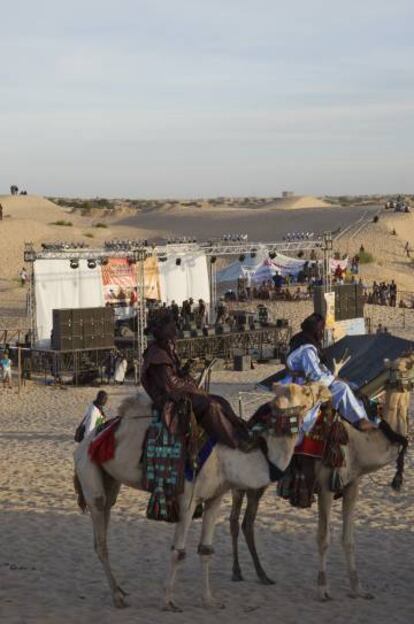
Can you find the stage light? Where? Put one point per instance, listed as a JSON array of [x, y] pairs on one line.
[[253, 254], [213, 259], [242, 258], [74, 263], [272, 255], [162, 258], [178, 261], [91, 263]]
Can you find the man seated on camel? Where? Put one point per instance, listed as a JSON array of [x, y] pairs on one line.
[[164, 380], [306, 362]]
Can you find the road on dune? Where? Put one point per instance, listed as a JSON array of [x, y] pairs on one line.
[[260, 225]]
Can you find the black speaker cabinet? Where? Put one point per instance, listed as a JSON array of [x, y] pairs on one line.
[[83, 328], [242, 363]]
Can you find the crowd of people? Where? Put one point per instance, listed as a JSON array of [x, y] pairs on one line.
[[187, 316], [382, 293]]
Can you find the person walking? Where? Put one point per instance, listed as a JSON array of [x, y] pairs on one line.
[[6, 367], [95, 414], [23, 277]]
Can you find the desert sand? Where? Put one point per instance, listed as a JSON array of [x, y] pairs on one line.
[[48, 570], [32, 218], [49, 573]]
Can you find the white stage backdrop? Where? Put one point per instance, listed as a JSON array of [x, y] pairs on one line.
[[189, 279], [58, 286]]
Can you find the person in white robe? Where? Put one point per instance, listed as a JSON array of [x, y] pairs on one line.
[[121, 366], [305, 363], [95, 414]]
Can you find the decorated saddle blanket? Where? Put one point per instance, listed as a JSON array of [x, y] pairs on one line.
[[102, 447], [325, 442], [326, 439], [169, 458]]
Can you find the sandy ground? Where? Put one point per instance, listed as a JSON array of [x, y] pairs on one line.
[[49, 573], [32, 219]]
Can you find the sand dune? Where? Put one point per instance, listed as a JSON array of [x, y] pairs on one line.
[[299, 202]]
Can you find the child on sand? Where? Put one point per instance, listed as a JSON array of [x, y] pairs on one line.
[[5, 364]]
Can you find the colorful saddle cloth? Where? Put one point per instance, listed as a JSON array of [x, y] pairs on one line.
[[326, 443], [170, 456]]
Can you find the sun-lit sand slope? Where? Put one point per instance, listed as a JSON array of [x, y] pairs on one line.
[[32, 218], [49, 573]]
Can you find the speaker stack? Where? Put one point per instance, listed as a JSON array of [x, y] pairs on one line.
[[83, 328]]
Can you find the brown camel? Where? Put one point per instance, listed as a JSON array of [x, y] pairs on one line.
[[365, 453]]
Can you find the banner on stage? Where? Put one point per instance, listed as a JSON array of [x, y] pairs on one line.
[[119, 282]]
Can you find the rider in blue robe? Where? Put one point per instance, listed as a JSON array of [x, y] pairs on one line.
[[306, 362]]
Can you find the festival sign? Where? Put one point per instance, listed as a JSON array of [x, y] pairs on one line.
[[119, 282], [329, 298]]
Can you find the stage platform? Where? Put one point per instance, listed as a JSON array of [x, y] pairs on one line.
[[235, 343], [75, 362]]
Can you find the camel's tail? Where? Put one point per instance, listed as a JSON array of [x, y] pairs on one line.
[[79, 492]]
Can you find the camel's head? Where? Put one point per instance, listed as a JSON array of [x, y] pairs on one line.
[[304, 397], [296, 400], [401, 383]]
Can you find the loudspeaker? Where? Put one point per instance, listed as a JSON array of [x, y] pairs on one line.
[[222, 329], [83, 328], [208, 331], [242, 363]]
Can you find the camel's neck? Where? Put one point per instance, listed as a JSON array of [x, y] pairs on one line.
[[251, 470], [369, 451], [280, 449]]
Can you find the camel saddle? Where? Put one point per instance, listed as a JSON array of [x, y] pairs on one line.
[[325, 443], [174, 450]]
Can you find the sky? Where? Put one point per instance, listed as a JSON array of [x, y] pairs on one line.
[[191, 98]]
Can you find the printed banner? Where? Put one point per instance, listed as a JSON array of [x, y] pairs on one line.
[[330, 310], [152, 278], [119, 282], [334, 264]]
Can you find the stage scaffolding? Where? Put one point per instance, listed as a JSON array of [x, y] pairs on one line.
[[136, 252]]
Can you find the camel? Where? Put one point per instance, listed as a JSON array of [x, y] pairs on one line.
[[366, 452], [97, 486]]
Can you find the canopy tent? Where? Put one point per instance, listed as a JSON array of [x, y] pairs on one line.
[[264, 272], [238, 269], [288, 266], [367, 357]]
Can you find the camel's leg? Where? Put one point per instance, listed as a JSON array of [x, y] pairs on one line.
[[237, 501], [325, 499], [348, 540], [100, 511], [206, 550], [187, 507], [253, 500]]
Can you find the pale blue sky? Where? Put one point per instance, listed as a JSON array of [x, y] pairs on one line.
[[155, 98]]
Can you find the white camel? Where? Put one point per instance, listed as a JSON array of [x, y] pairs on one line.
[[365, 453], [226, 468]]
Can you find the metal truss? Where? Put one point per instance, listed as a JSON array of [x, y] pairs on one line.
[[137, 252]]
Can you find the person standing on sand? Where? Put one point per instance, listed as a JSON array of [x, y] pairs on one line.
[[23, 277], [95, 414], [5, 364]]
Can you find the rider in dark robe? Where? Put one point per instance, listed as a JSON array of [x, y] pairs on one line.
[[164, 380]]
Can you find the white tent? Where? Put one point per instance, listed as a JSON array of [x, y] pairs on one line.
[[237, 269], [287, 266], [264, 272]]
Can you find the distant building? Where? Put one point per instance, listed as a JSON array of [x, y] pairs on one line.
[[286, 194]]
